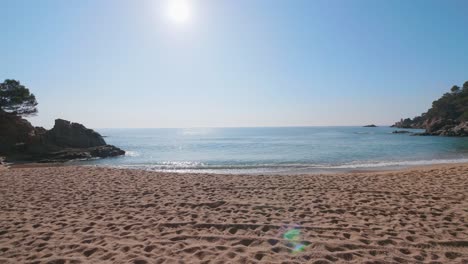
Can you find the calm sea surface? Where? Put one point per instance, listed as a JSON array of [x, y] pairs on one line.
[[277, 150]]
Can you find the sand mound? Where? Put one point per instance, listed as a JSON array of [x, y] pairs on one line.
[[99, 215]]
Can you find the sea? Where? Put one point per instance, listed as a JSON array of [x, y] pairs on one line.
[[277, 150]]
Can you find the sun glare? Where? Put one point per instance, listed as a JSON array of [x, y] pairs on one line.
[[179, 11]]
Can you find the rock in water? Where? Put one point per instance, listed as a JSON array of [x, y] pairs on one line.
[[82, 154], [401, 132], [106, 151], [371, 125]]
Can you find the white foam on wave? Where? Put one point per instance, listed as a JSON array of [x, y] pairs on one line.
[[166, 165], [198, 167], [130, 153], [395, 163]]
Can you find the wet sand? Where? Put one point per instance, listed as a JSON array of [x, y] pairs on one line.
[[101, 215]]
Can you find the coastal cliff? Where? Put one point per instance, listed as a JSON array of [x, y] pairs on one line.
[[448, 115], [20, 141]]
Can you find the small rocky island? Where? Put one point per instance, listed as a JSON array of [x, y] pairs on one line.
[[370, 125], [448, 115], [401, 132], [22, 142]]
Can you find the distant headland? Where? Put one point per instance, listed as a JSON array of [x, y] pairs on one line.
[[448, 115]]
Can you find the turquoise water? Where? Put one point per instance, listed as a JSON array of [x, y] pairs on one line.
[[277, 150]]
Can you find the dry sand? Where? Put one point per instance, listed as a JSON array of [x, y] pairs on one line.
[[94, 215]]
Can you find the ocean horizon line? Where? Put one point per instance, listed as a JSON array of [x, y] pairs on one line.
[[212, 127]]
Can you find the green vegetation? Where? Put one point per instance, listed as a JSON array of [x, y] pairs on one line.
[[16, 99], [453, 105]]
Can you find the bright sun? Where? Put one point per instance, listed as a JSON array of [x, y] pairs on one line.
[[179, 11]]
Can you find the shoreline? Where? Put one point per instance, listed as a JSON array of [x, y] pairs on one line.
[[337, 171], [80, 214]]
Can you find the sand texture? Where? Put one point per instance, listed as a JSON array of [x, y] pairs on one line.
[[101, 215]]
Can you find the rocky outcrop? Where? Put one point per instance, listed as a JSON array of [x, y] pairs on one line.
[[448, 115], [415, 123], [82, 153], [371, 125], [447, 128], [436, 126], [460, 130], [106, 151], [15, 131], [73, 135], [20, 141]]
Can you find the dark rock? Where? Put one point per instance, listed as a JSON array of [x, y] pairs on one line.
[[65, 155], [461, 129], [82, 154], [14, 130], [410, 123], [40, 130], [73, 135], [106, 151], [437, 127], [20, 141], [68, 154], [453, 130], [447, 128], [434, 125], [422, 134], [371, 125], [401, 132]]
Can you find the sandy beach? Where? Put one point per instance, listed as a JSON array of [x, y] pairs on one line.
[[102, 215]]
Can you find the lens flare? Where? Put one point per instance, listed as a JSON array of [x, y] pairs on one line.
[[292, 235]]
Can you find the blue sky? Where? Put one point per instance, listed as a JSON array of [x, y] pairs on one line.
[[114, 63]]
